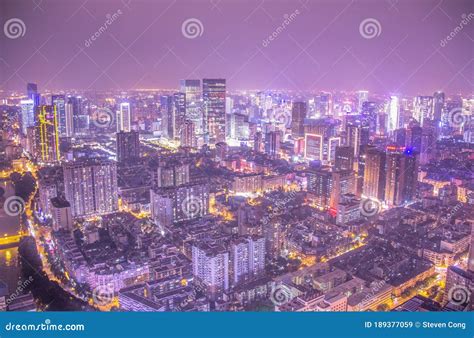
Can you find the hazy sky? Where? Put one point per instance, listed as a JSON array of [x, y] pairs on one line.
[[322, 46]]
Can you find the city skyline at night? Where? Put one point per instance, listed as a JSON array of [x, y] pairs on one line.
[[223, 156]]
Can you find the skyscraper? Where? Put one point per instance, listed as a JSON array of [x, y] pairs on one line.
[[214, 93], [298, 115], [187, 134], [438, 105], [357, 135], [374, 174], [32, 93], [167, 116], [344, 159], [27, 114], [191, 91], [423, 109], [59, 101], [47, 134], [272, 143], [362, 97], [124, 122], [91, 187], [128, 146], [401, 177], [393, 114]]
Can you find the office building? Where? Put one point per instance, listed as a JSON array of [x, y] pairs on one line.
[[298, 115], [401, 177], [374, 174], [128, 146], [47, 134], [124, 122], [213, 95]]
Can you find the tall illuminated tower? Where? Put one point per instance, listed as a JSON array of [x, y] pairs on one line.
[[27, 115], [214, 92], [47, 134], [124, 117], [362, 97], [298, 114], [59, 101], [393, 114], [191, 89]]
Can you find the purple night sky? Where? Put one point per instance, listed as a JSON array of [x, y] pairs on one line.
[[320, 49]]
